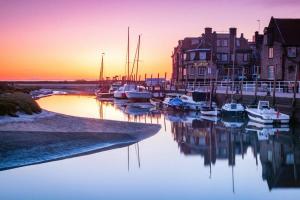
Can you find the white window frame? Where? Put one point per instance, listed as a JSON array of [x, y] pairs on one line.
[[270, 52]]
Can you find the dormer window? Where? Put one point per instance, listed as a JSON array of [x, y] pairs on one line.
[[292, 52], [271, 52]]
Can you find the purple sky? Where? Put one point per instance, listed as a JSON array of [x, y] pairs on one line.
[[61, 39]]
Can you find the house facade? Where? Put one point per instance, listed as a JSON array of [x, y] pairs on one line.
[[280, 53], [199, 58]]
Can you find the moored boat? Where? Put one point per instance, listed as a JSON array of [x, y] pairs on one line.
[[233, 110], [266, 115], [121, 92], [138, 94]]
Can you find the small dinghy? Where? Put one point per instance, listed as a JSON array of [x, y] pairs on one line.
[[266, 115]]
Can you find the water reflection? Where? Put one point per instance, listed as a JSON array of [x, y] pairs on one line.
[[278, 148], [191, 157]]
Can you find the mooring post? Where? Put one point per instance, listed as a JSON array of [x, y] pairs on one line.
[[295, 93], [274, 86], [255, 90]]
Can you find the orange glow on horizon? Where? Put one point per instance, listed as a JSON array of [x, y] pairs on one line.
[[63, 40]]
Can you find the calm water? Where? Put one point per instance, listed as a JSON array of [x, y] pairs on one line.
[[190, 158]]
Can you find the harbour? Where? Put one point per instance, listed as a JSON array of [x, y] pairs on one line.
[[189, 153], [149, 100]]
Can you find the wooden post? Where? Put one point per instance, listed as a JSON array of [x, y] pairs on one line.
[[241, 85], [227, 84], [295, 92], [274, 86], [255, 90]]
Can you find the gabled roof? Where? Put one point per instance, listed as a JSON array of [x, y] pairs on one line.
[[289, 30]]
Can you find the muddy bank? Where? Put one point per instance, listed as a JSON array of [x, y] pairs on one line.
[[51, 136]]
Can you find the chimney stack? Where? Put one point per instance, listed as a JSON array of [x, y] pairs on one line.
[[232, 32], [208, 30]]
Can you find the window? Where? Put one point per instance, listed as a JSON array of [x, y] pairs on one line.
[[192, 70], [202, 55], [225, 43], [232, 57], [224, 57], [292, 52], [209, 70], [238, 43], [245, 57], [195, 41], [271, 52], [192, 55], [219, 43], [184, 72], [271, 72], [184, 56], [201, 71], [218, 56]]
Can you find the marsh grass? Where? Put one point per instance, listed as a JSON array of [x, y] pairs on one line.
[[11, 103]]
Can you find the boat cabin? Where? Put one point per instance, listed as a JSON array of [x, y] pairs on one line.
[[263, 105]]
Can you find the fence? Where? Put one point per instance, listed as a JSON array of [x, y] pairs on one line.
[[246, 86]]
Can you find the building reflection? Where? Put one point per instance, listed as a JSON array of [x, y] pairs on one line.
[[277, 149]]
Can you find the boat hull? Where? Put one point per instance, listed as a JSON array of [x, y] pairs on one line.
[[259, 118], [138, 96]]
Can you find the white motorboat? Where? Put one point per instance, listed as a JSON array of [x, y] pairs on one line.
[[233, 110], [266, 115], [190, 104], [138, 94], [115, 86], [121, 92]]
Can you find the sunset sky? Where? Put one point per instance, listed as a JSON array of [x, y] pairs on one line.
[[63, 39]]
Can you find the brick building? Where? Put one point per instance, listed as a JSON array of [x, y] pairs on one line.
[[197, 58], [280, 53]]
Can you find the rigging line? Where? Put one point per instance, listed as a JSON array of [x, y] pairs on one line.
[[135, 59]]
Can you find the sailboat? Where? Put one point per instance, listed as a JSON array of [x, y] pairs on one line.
[[120, 93], [139, 93], [102, 93], [233, 109]]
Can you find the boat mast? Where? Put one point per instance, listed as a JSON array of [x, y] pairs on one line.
[[233, 65], [128, 54], [101, 70], [138, 58]]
